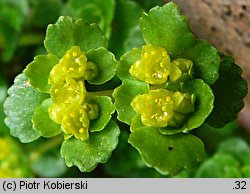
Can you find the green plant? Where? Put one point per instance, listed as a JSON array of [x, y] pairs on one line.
[[174, 84]]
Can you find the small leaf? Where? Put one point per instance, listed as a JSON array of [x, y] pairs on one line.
[[167, 154], [204, 102], [204, 106], [42, 122], [106, 65], [219, 166], [66, 33], [236, 147], [229, 91], [38, 71], [126, 61], [165, 27], [206, 61], [19, 108], [106, 109], [124, 95], [87, 154]]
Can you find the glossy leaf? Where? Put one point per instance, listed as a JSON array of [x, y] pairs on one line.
[[87, 154], [204, 106], [42, 122], [126, 61], [229, 91], [19, 108], [167, 154], [124, 95], [106, 65], [206, 61], [38, 71], [66, 33], [165, 27], [106, 109]]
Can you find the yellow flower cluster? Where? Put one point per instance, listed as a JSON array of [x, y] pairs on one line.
[[155, 67], [160, 107], [68, 93]]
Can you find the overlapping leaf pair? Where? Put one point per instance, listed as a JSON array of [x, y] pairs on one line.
[[171, 86], [53, 90]]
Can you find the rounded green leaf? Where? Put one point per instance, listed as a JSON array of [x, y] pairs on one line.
[[97, 149], [42, 122], [124, 95], [206, 61], [19, 108], [66, 33], [203, 107], [219, 166], [229, 91], [236, 147], [106, 65], [165, 27], [38, 71], [126, 61], [136, 123], [167, 154], [106, 109], [204, 102]]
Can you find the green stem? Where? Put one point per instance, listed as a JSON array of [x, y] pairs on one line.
[[101, 93], [47, 146]]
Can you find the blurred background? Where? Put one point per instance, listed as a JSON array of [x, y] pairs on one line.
[[223, 23]]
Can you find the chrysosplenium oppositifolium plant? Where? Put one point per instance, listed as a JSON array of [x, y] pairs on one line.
[[50, 98], [171, 85]]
